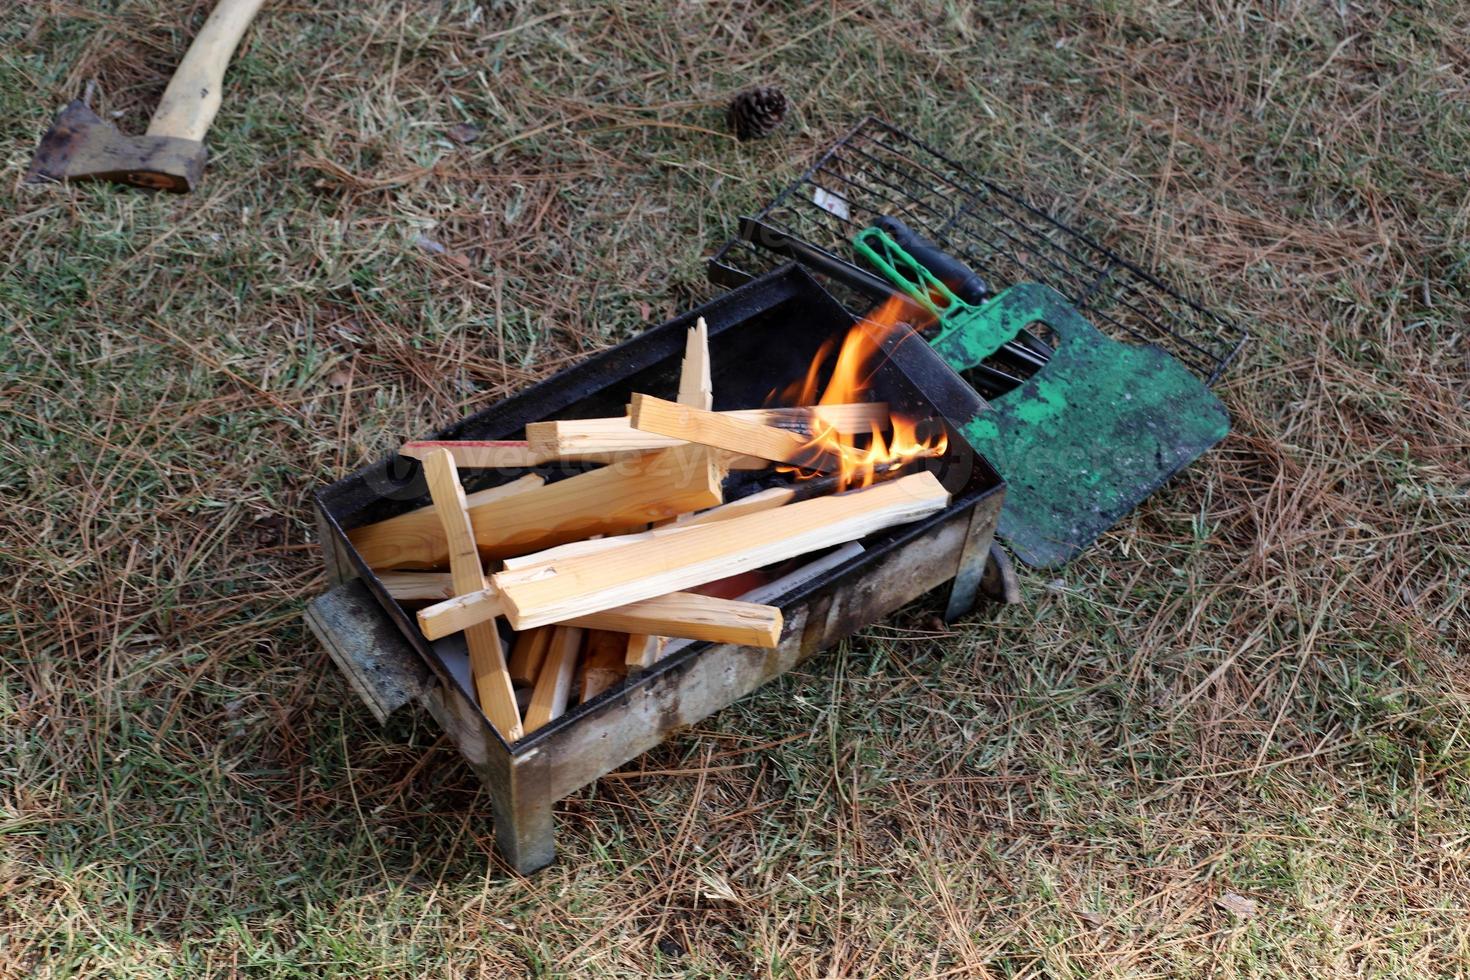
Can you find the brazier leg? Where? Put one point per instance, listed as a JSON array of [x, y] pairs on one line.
[[387, 674], [524, 829], [973, 557], [520, 789], [999, 581]]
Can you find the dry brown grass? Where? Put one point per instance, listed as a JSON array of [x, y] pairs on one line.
[[1252, 686]]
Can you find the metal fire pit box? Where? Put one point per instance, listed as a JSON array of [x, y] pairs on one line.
[[762, 335]]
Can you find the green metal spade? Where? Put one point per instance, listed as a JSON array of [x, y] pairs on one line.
[[1087, 437]]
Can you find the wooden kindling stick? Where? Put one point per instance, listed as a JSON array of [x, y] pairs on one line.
[[588, 584], [528, 654], [722, 431], [554, 685], [420, 530], [687, 615], [602, 663], [696, 389], [612, 500], [487, 660], [417, 585], [589, 547], [518, 454], [644, 651], [750, 504], [570, 438], [685, 556]]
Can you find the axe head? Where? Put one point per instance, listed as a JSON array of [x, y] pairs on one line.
[[81, 146]]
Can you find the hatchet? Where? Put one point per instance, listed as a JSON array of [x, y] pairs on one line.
[[170, 155]]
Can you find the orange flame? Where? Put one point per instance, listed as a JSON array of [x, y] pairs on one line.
[[859, 458]]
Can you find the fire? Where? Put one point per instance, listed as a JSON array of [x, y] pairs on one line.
[[860, 458]]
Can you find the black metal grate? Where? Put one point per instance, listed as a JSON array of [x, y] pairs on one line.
[[877, 170]]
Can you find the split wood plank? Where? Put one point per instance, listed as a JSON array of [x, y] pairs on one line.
[[687, 615], [554, 686], [593, 546], [593, 435], [749, 504], [612, 500], [528, 654], [602, 662], [692, 616], [644, 651], [514, 454], [846, 418], [592, 583], [573, 437], [695, 386], [423, 523], [523, 484], [721, 431], [763, 500], [418, 586], [487, 660], [453, 615]]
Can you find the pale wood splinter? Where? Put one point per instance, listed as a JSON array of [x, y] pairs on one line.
[[695, 386]]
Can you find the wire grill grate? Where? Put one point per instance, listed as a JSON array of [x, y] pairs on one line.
[[877, 170]]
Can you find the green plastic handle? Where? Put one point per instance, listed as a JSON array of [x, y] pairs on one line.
[[967, 334], [907, 273]]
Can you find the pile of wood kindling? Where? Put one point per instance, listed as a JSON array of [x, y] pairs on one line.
[[597, 571]]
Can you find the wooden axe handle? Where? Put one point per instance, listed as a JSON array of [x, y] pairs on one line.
[[193, 94]]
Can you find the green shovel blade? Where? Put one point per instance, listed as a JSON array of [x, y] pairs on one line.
[[1087, 437]]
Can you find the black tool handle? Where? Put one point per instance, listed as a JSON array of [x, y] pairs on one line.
[[961, 280], [759, 233]]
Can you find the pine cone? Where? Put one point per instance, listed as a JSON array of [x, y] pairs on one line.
[[757, 112]]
